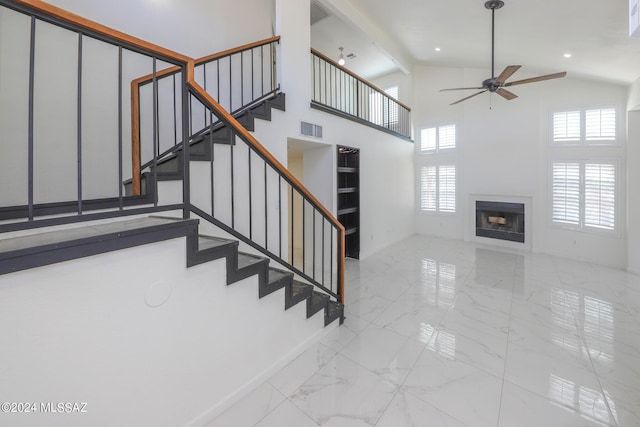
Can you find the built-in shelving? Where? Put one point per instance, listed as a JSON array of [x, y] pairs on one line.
[[348, 169]]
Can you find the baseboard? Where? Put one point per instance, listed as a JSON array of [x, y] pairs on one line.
[[226, 403]]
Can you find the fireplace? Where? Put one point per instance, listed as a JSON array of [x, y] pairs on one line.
[[500, 220]]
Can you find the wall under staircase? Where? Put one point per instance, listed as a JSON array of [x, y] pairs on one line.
[[141, 338]]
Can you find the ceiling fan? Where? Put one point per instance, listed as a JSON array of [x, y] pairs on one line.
[[498, 84]]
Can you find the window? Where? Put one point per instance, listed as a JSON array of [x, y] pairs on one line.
[[584, 194], [438, 138], [585, 126], [438, 188]]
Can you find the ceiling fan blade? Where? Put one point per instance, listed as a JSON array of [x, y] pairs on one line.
[[464, 99], [537, 79], [461, 88], [506, 94], [507, 73]]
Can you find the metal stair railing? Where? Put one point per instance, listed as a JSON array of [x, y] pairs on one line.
[[257, 189], [237, 78]]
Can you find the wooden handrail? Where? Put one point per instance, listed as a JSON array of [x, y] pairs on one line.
[[103, 30], [235, 50], [189, 66], [199, 61], [250, 139], [354, 75]]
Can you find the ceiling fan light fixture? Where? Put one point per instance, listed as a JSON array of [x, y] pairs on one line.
[[341, 59], [497, 84]]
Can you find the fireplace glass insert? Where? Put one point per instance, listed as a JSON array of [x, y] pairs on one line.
[[499, 220]]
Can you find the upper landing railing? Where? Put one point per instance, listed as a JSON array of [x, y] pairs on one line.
[[66, 144], [340, 91]]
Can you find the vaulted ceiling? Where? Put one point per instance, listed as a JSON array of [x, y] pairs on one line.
[[385, 35]]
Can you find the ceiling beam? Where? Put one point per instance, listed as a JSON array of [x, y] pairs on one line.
[[359, 19]]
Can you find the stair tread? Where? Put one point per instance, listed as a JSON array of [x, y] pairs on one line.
[[61, 237], [247, 260], [209, 242], [276, 275], [300, 291]]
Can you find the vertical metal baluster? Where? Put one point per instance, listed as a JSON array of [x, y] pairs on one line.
[[325, 83], [323, 250], [204, 82], [233, 219], [253, 88], [332, 88], [212, 169], [250, 195], [186, 179], [120, 151], [266, 213], [230, 84], [190, 120], [241, 79], [313, 242], [280, 216], [175, 115], [155, 132], [358, 99], [331, 259], [218, 79], [272, 62], [313, 74], [32, 58], [293, 258], [79, 124]]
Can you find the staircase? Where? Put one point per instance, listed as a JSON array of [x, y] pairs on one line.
[[170, 167], [25, 252]]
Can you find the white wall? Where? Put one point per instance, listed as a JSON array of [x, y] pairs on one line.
[[192, 27], [503, 150], [96, 330], [633, 196]]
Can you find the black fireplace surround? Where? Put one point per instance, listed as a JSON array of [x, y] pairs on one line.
[[499, 220]]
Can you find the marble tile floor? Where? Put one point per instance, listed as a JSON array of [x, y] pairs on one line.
[[446, 333]]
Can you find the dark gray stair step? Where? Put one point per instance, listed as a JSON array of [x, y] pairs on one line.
[[21, 253], [277, 279], [248, 265], [278, 102], [298, 292], [334, 311], [316, 303], [208, 248], [247, 121], [210, 242]]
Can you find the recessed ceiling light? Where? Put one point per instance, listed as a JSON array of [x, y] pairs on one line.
[[438, 49], [567, 55]]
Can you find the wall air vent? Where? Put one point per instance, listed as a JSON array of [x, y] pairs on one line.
[[310, 129]]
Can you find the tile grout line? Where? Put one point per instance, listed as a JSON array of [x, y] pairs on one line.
[[506, 353]]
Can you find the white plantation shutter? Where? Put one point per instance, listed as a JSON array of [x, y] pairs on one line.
[[428, 188], [600, 125], [440, 138], [566, 192], [447, 188], [428, 139], [447, 137], [600, 195], [566, 126]]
